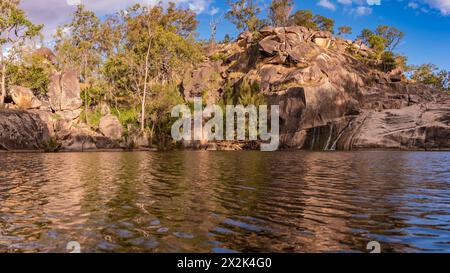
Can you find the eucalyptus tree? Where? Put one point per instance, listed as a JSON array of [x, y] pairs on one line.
[[244, 14], [152, 46], [77, 45], [280, 11], [392, 36], [15, 30], [344, 30]]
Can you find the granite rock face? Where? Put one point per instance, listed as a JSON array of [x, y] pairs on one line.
[[111, 127], [21, 130], [330, 100], [64, 91], [24, 98]]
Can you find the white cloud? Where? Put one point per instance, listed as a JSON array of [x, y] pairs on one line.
[[360, 2], [73, 2], [327, 4], [374, 2], [361, 11], [345, 2], [413, 5], [53, 13], [213, 11], [442, 5]]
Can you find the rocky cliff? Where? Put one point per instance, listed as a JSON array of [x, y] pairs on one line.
[[329, 99]]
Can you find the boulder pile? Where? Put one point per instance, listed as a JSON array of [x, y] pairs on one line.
[[329, 99]]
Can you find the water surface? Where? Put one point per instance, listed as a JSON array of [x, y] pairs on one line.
[[225, 202]]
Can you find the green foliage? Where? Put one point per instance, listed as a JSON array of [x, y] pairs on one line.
[[383, 38], [91, 117], [226, 39], [146, 33], [430, 74], [304, 18], [365, 35], [378, 44], [33, 71], [391, 61], [316, 22], [383, 41], [324, 23], [388, 61], [164, 98], [127, 116], [244, 14], [77, 42], [148, 45], [250, 94], [52, 145], [77, 46], [15, 27], [401, 61], [15, 30], [180, 21], [280, 11], [245, 93], [391, 35], [344, 30]]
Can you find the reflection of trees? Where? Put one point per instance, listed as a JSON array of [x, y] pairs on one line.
[[198, 201]]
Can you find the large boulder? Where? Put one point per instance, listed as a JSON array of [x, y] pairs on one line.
[[291, 44], [111, 127], [21, 130], [24, 98], [64, 91], [323, 42], [80, 139], [204, 81], [47, 54], [420, 126]]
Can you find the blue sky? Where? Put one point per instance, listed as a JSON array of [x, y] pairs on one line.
[[425, 22]]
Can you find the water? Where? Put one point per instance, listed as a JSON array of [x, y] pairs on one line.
[[225, 202]]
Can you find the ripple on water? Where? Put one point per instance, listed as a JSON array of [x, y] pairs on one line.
[[225, 202]]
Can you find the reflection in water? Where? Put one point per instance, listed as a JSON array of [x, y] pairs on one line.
[[225, 202]]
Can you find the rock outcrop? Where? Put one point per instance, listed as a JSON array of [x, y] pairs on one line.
[[54, 118], [21, 130], [24, 98], [47, 54], [64, 91], [328, 98], [111, 127]]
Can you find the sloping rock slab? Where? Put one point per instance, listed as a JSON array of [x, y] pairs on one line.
[[21, 130]]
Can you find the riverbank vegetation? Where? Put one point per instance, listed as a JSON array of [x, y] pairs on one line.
[[133, 61]]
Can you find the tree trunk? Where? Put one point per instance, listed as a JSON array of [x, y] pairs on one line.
[[85, 90], [144, 96], [3, 82]]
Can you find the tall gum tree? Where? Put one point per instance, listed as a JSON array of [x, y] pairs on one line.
[[15, 30], [78, 46], [153, 46]]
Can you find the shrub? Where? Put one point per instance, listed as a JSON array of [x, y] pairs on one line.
[[126, 115], [51, 146]]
